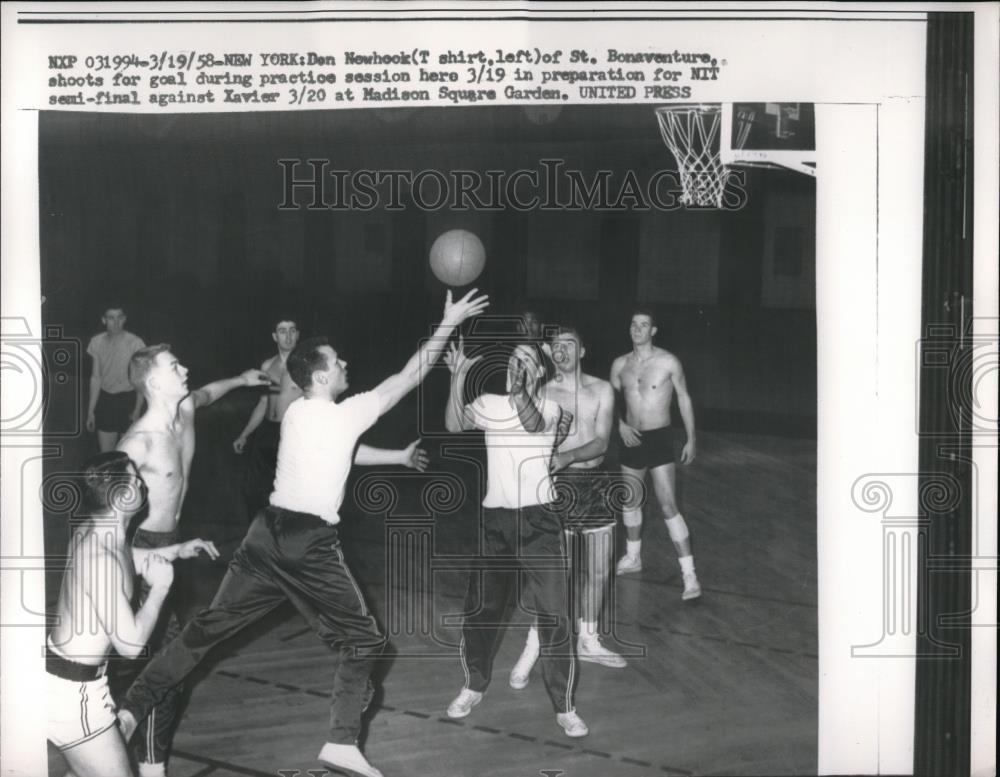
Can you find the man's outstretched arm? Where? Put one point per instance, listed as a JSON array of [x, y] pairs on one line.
[[411, 456], [397, 386], [206, 395]]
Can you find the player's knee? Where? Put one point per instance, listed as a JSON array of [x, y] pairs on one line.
[[669, 508], [632, 518], [677, 528]]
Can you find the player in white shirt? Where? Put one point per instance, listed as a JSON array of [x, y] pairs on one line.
[[292, 551], [519, 522]]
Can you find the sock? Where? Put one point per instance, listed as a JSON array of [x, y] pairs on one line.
[[588, 629], [152, 770], [687, 564], [632, 547], [532, 642]]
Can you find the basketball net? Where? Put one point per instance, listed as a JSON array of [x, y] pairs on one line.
[[691, 132]]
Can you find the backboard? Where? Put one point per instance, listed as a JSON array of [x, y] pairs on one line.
[[780, 135]]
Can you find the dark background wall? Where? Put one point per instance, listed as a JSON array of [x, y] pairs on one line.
[[177, 217]]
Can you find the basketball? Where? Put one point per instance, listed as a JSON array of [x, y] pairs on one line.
[[457, 257]]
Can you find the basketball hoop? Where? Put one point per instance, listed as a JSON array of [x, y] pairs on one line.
[[691, 132]]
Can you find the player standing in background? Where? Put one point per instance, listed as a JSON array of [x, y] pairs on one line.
[[266, 418], [647, 379], [113, 403]]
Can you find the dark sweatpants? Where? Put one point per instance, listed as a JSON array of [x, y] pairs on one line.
[[285, 556], [153, 735], [524, 552]]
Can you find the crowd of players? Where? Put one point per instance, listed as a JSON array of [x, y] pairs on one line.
[[547, 505]]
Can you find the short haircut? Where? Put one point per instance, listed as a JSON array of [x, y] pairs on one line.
[[645, 312], [113, 305], [282, 318], [305, 360], [567, 329], [104, 477], [141, 363]]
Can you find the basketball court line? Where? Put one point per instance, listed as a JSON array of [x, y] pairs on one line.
[[666, 769]]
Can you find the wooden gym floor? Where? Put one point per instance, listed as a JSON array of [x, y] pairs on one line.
[[727, 685]]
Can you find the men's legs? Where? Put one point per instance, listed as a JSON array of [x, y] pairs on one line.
[[106, 441], [594, 560], [632, 518], [664, 482], [153, 735], [102, 756], [544, 570], [245, 595], [318, 577], [487, 597]]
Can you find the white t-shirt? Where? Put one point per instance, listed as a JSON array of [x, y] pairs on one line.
[[316, 452], [517, 462], [112, 355]]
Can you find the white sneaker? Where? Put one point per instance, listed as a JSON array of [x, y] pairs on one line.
[[572, 724], [590, 649], [628, 564], [347, 758], [521, 672], [692, 588], [463, 703]]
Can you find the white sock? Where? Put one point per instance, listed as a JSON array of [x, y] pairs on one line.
[[152, 770], [531, 643], [687, 564], [588, 629], [632, 548]]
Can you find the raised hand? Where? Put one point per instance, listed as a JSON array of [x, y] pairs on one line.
[[467, 307], [456, 359], [416, 457], [192, 548], [630, 435]]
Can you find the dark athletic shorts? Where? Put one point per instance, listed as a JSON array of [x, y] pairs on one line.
[[114, 411], [655, 450], [582, 499]]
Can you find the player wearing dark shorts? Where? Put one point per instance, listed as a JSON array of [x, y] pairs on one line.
[[112, 404], [113, 412], [655, 448], [649, 378]]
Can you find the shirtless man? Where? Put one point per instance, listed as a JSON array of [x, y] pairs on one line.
[[647, 378], [269, 411], [588, 523], [94, 614], [161, 443]]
